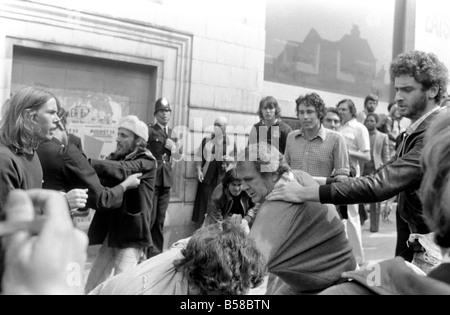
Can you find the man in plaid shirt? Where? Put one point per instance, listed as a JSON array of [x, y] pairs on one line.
[[314, 149]]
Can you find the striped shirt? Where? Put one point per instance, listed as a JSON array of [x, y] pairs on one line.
[[319, 156]]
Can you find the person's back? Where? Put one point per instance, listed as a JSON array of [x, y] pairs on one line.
[[155, 276], [305, 244], [218, 259]]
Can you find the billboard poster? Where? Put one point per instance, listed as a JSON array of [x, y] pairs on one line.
[[342, 47], [94, 117]]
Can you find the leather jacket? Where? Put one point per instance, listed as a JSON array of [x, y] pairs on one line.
[[401, 176]]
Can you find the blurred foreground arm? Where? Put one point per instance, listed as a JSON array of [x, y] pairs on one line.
[[51, 262]]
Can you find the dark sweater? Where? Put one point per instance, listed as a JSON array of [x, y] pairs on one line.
[[275, 133]]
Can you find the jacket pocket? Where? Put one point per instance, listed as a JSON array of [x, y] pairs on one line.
[[131, 228]]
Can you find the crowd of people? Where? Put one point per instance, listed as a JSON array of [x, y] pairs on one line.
[[288, 207]]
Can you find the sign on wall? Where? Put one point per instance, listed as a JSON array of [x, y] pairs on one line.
[[432, 32], [94, 117]]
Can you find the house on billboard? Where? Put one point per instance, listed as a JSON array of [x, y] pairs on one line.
[[347, 66]]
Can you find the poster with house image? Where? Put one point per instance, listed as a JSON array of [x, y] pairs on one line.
[[94, 117]]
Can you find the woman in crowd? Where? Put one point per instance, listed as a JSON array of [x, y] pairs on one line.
[[212, 160]]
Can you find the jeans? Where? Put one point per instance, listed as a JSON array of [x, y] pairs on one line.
[[111, 261]]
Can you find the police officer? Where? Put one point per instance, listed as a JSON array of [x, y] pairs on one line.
[[162, 147]]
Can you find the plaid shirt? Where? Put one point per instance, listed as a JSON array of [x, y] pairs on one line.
[[319, 156]]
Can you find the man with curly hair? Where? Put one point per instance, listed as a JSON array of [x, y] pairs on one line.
[[219, 259], [315, 149], [394, 276], [420, 81]]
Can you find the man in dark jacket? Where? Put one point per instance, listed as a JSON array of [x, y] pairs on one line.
[[65, 167], [162, 145], [228, 199], [124, 232], [420, 83]]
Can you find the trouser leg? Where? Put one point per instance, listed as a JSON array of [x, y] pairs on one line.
[[354, 232], [160, 205], [102, 267], [374, 217]]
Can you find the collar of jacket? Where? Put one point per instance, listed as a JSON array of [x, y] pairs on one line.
[[276, 123], [229, 197], [424, 124], [139, 152], [227, 193]]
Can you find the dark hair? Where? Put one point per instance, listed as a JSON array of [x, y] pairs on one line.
[[351, 106], [371, 97], [312, 99], [390, 106], [63, 114], [17, 128], [435, 187], [229, 177], [425, 68], [377, 118], [221, 259], [269, 101]]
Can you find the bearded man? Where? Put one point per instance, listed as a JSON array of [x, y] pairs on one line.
[[124, 232]]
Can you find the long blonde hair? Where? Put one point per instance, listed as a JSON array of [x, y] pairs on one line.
[[17, 128]]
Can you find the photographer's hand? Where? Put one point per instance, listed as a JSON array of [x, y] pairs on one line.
[[51, 262]]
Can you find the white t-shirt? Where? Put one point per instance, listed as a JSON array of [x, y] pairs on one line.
[[357, 137]]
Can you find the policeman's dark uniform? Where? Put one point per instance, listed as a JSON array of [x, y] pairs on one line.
[[164, 178]]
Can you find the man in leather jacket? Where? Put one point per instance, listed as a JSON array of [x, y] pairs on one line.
[[420, 83]]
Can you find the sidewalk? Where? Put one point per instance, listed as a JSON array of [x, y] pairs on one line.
[[380, 245]]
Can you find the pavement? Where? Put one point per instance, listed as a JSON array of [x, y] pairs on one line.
[[380, 245], [377, 246]]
